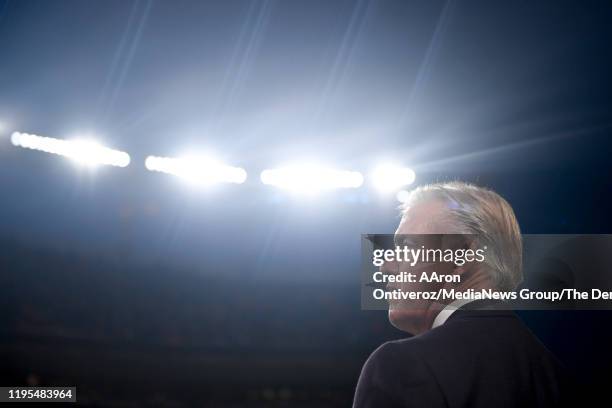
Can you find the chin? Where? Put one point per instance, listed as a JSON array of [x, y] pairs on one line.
[[408, 321]]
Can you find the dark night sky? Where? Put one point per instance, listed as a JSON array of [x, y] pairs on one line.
[[513, 95]]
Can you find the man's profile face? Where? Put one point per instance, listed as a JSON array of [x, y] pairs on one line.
[[422, 219]]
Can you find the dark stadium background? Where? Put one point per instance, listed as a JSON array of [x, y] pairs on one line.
[[141, 290]]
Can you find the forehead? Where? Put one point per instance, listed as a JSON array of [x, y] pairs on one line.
[[424, 218]]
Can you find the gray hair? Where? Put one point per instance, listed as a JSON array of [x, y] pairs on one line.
[[485, 214]]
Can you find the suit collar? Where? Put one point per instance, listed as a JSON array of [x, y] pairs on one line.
[[482, 308]]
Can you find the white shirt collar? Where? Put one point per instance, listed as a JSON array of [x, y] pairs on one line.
[[448, 310]]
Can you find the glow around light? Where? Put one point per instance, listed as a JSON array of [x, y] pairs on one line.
[[87, 152], [389, 178], [311, 178], [402, 196], [197, 170]]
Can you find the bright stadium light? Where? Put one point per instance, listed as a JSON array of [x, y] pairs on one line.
[[197, 170], [87, 152], [311, 178], [389, 178]]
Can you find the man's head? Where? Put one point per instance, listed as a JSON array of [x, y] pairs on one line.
[[459, 208]]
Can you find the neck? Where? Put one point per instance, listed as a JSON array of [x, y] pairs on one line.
[[479, 280]]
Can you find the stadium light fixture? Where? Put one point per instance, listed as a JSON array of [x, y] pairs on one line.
[[390, 178], [311, 178], [197, 170], [84, 151]]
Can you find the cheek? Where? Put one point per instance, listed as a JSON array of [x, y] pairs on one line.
[[419, 269], [447, 268]]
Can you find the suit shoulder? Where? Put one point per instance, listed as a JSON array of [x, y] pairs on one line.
[[396, 355], [393, 347], [396, 375]]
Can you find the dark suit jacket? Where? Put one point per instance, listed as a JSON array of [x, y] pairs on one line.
[[478, 358]]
